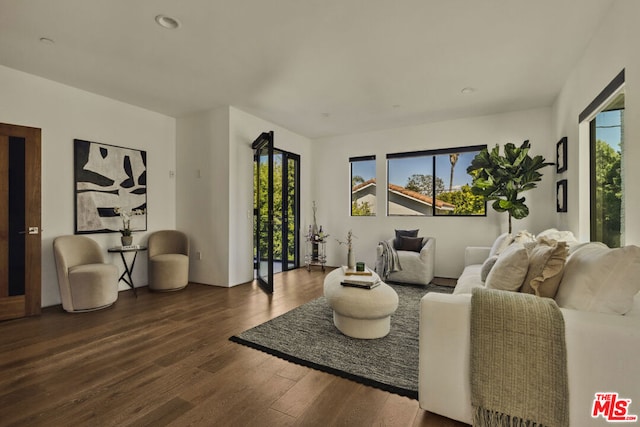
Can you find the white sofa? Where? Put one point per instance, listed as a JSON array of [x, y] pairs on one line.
[[602, 348]]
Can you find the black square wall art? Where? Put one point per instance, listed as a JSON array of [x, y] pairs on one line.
[[561, 155], [109, 179], [561, 196]]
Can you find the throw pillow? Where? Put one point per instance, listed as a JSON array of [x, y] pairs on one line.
[[546, 264], [510, 269], [403, 233], [500, 244], [487, 265], [410, 244], [523, 237], [560, 236], [598, 278]]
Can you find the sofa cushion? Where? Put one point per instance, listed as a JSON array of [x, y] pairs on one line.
[[600, 279], [500, 244], [510, 269], [469, 279], [487, 265], [560, 236], [546, 264], [403, 233], [409, 243], [523, 237]]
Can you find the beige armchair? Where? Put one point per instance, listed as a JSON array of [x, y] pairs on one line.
[[416, 267], [86, 282], [168, 260]]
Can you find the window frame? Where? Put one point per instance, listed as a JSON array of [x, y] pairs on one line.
[[353, 160], [588, 118], [433, 153]]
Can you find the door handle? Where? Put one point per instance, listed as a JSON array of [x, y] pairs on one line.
[[31, 230]]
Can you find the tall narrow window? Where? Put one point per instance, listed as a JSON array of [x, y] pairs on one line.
[[607, 142], [606, 139], [451, 168], [363, 186], [432, 183]]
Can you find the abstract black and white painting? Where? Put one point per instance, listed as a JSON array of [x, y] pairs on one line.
[[108, 178]]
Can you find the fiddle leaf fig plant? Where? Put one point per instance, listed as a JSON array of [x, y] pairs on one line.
[[502, 177]]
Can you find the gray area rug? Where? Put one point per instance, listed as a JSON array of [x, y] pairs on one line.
[[306, 335]]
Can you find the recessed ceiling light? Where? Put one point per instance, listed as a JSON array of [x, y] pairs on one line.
[[167, 22], [326, 115], [467, 90], [46, 40]]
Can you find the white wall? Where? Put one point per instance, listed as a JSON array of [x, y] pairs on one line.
[[203, 192], [331, 185], [613, 48], [64, 114], [212, 206], [217, 208], [244, 129]]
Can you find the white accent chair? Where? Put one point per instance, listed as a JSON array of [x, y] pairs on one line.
[[168, 260], [86, 282], [417, 267]]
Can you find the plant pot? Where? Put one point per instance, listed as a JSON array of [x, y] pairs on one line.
[[126, 240]]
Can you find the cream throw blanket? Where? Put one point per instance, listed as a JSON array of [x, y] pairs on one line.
[[390, 261], [518, 360]]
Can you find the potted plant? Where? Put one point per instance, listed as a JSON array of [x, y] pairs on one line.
[[502, 177], [126, 231]]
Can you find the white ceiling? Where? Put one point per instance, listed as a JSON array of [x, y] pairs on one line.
[[316, 67]]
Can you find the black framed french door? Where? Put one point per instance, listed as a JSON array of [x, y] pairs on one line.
[[276, 210], [289, 209], [264, 215]]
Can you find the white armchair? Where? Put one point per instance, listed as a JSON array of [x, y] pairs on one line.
[[168, 263], [416, 267], [86, 282]]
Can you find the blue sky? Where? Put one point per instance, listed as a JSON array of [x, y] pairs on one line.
[[364, 168], [401, 169], [610, 135]]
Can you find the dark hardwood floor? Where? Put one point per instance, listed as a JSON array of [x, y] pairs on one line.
[[165, 359]]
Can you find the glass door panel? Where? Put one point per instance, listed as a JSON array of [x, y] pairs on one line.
[[291, 239], [264, 160], [278, 212]]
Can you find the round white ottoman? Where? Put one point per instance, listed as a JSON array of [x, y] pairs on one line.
[[360, 313]]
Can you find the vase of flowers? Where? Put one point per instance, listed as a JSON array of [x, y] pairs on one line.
[[127, 238], [351, 258]]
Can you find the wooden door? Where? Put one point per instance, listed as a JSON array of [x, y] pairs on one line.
[[20, 217]]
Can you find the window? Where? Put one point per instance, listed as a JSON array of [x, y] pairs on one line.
[[363, 186], [432, 182], [606, 144], [607, 134]]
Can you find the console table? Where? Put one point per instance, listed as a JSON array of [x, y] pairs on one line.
[[128, 268]]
